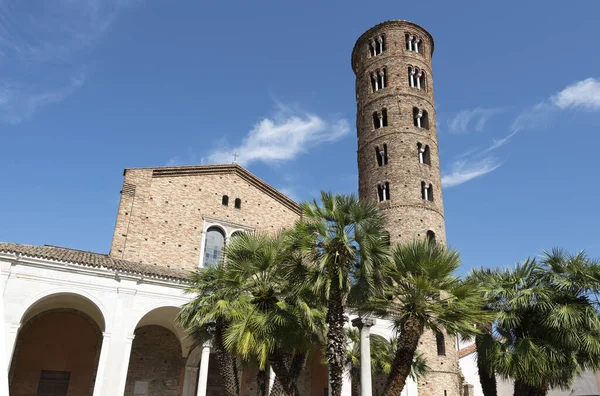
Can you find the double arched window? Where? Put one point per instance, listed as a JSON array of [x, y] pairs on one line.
[[214, 244], [379, 80], [413, 43], [416, 78], [377, 45]]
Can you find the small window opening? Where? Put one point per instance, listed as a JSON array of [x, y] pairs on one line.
[[420, 118], [441, 345], [225, 200], [380, 119], [411, 76], [386, 238], [431, 237], [382, 156], [383, 191], [427, 191], [421, 79], [424, 155], [238, 203]]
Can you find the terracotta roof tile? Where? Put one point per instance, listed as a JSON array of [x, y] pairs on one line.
[[97, 260], [467, 351]]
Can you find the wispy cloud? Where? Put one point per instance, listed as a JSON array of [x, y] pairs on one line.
[[282, 137], [581, 95], [464, 170], [42, 47], [471, 119]]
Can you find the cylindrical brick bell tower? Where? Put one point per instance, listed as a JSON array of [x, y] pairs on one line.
[[398, 161]]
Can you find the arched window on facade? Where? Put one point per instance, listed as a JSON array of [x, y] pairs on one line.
[[238, 203], [431, 237], [424, 154], [213, 247], [421, 80], [225, 200], [383, 192], [441, 344]]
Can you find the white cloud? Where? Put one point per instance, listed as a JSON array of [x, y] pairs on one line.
[[583, 94], [282, 138], [472, 119], [41, 50], [464, 170], [497, 143]]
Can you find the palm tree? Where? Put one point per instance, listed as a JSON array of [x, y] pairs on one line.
[[284, 322], [342, 242], [382, 355], [423, 294], [208, 316], [547, 327]]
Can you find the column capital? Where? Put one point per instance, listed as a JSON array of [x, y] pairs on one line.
[[363, 322]]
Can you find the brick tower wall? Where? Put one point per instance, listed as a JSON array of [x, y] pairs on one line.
[[408, 215]]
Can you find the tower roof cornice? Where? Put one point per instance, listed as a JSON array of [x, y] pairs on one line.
[[390, 23]]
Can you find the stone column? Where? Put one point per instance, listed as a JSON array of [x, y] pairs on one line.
[[347, 382], [364, 325], [203, 376], [190, 381], [102, 363]]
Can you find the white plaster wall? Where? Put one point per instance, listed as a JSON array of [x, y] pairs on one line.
[[468, 366], [123, 301]]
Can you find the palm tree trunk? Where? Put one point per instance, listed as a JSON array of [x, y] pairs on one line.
[[336, 338], [277, 388], [487, 376], [355, 380], [523, 389], [227, 364], [261, 381], [410, 332], [281, 367]]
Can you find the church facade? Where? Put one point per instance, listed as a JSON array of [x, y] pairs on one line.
[[83, 323]]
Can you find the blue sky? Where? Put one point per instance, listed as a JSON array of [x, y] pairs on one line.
[[89, 87]]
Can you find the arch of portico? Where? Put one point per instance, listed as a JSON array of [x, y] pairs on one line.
[[58, 344]]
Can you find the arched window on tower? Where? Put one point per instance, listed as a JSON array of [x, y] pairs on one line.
[[411, 76], [213, 247], [441, 344], [383, 192], [379, 80], [427, 191], [380, 119], [382, 155], [238, 203], [431, 237], [424, 155], [413, 43], [225, 200], [420, 118], [377, 45]]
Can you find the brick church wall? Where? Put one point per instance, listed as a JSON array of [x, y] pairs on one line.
[[160, 219]]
